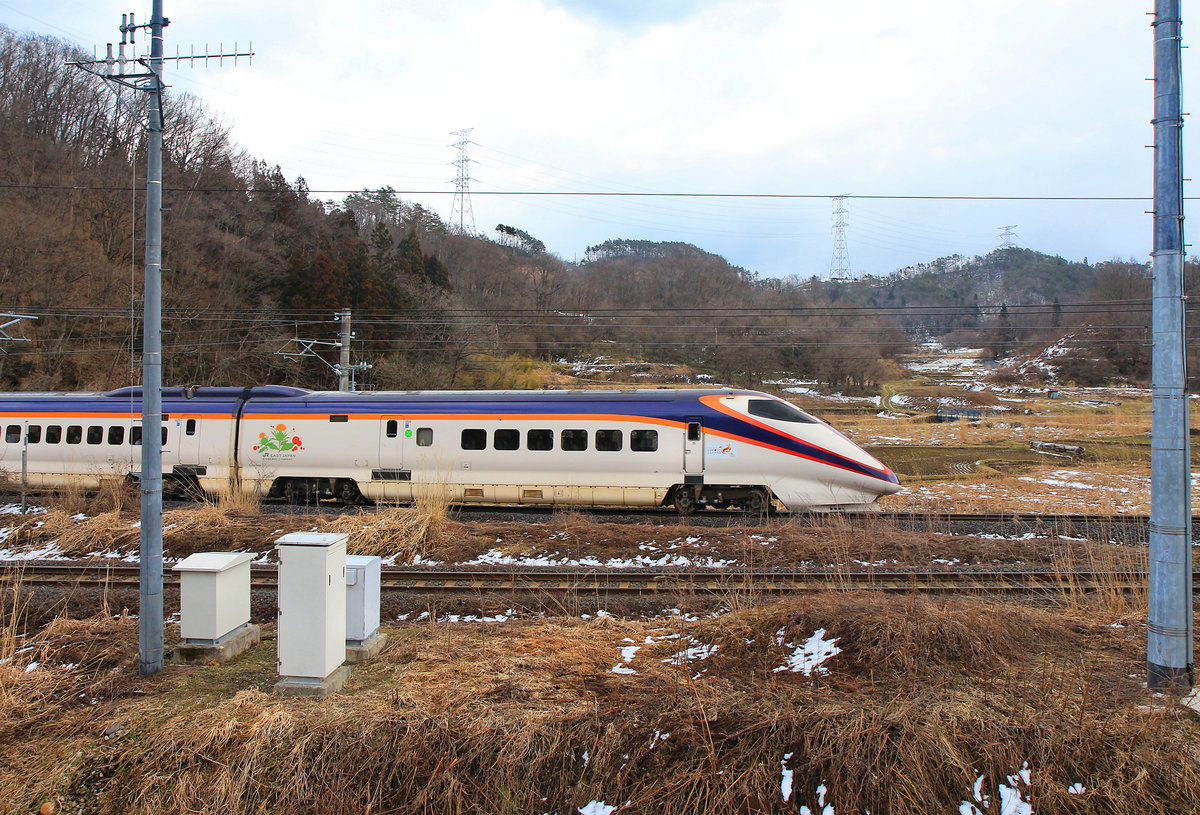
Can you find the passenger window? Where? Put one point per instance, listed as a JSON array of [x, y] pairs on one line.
[[12, 433], [189, 428], [116, 435], [424, 436], [539, 440], [74, 434], [393, 428], [135, 434], [34, 434], [693, 431], [474, 439], [574, 440], [608, 440], [506, 439], [643, 441], [164, 437], [53, 434], [95, 434]]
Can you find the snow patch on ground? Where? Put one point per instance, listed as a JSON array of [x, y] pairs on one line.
[[810, 656]]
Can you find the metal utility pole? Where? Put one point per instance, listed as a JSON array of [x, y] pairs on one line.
[[149, 80], [839, 266], [462, 188], [1169, 659]]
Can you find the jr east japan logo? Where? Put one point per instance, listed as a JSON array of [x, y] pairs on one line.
[[278, 440]]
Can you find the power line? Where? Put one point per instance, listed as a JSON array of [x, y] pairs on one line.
[[604, 194]]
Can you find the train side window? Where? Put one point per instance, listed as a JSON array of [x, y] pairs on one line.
[[424, 436], [392, 428], [12, 433], [608, 440], [116, 434], [33, 434], [54, 434], [474, 439], [189, 428], [539, 440], [74, 434], [693, 431], [506, 439], [643, 441], [95, 434], [135, 434], [574, 440], [164, 437]]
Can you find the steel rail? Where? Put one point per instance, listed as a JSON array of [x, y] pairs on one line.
[[633, 581]]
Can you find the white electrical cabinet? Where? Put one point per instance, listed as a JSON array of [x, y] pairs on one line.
[[362, 597], [312, 604], [214, 595]]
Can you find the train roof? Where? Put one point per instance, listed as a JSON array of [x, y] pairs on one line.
[[285, 393]]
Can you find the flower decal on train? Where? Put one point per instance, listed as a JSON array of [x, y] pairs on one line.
[[279, 440]]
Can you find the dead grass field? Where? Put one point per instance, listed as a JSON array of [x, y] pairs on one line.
[[925, 699]]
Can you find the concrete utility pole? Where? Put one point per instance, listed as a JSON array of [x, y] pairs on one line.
[[149, 80], [344, 370], [1169, 658]]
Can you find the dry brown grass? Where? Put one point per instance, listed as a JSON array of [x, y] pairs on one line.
[[925, 696], [399, 532]]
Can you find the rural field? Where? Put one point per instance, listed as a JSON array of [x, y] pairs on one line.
[[838, 700]]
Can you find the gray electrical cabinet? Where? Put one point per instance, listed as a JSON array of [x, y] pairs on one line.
[[214, 607], [362, 597], [312, 607]]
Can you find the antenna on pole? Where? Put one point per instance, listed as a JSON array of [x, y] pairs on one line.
[[839, 266], [144, 74], [1008, 238], [462, 188]]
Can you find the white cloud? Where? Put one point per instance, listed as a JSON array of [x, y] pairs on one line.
[[1024, 97]]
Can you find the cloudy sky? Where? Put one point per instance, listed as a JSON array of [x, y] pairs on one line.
[[1001, 98]]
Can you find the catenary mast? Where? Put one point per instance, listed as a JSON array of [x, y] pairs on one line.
[[1169, 657]]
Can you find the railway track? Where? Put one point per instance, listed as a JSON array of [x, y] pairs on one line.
[[631, 581]]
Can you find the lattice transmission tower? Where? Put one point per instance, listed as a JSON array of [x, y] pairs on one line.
[[839, 266], [462, 217], [1008, 238]]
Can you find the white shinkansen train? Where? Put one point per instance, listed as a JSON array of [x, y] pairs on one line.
[[683, 448]]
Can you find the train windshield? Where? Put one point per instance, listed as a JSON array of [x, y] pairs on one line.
[[779, 411]]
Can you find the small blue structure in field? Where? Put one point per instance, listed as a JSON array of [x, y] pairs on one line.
[[957, 414]]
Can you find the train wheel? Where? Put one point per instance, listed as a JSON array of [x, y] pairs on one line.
[[685, 501], [756, 503], [296, 491], [348, 492]]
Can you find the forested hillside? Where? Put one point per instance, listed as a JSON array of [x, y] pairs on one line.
[[252, 260]]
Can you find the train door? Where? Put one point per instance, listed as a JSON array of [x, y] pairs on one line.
[[693, 448], [187, 435], [391, 472]]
